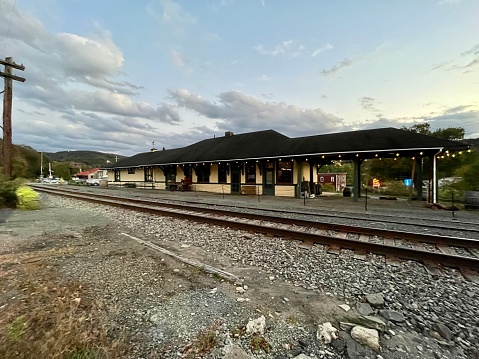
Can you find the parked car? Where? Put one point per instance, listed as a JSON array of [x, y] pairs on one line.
[[93, 182]]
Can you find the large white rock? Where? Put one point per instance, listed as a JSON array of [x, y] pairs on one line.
[[326, 333], [366, 336], [256, 326]]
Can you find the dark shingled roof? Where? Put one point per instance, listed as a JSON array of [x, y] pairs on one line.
[[271, 144]]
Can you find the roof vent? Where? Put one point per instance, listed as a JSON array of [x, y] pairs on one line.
[[229, 134]]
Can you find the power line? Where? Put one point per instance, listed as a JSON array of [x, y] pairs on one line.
[[7, 36]]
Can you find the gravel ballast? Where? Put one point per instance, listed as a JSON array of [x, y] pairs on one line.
[[169, 308]]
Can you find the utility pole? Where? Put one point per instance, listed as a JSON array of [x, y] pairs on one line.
[[7, 111]]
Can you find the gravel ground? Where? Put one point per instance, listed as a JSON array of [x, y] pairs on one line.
[[170, 309]]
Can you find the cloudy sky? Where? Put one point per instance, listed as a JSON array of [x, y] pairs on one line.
[[116, 75]]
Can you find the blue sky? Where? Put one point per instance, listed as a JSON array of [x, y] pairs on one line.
[[116, 75]]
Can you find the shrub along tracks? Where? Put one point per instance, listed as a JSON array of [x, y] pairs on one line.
[[431, 250]]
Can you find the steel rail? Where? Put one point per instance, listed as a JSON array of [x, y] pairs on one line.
[[344, 243], [387, 233], [442, 223]]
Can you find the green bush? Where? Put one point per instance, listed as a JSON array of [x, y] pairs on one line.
[[8, 197], [395, 188], [328, 187], [27, 198]]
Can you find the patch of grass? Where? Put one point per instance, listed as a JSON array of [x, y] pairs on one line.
[[196, 271], [203, 344], [238, 332], [292, 319], [86, 353], [258, 342], [16, 329], [47, 318]]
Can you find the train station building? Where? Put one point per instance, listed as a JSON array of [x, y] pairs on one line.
[[270, 163]]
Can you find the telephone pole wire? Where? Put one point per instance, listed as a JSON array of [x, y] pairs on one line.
[[7, 111]]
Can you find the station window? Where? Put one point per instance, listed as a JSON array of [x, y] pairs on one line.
[[148, 174], [284, 173], [117, 175], [251, 172], [203, 173], [223, 173], [131, 171]]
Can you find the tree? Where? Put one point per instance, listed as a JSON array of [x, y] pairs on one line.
[[423, 128], [62, 169], [450, 133]]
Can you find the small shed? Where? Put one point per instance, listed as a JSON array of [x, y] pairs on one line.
[[338, 180]]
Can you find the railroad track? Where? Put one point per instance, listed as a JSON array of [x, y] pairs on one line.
[[466, 228], [431, 250]]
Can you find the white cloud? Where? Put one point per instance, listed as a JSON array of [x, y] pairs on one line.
[[82, 56], [178, 58], [459, 116], [286, 48], [241, 112], [168, 11], [264, 78], [344, 63], [368, 104], [18, 26], [316, 52]]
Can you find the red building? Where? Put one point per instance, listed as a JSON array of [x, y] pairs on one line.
[[338, 180]]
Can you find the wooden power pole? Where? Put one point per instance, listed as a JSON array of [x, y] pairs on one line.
[[7, 111]]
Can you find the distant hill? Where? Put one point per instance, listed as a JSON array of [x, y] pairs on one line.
[[89, 158]]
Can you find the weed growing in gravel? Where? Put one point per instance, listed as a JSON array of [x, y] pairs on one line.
[[258, 343], [16, 329], [203, 344], [45, 318], [196, 271], [292, 319]]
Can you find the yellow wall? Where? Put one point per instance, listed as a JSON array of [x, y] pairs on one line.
[[158, 175], [284, 191], [211, 187], [214, 173], [139, 175]]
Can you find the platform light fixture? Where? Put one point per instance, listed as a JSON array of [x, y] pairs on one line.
[[421, 153]]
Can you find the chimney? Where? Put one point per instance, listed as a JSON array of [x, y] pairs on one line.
[[229, 134]]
